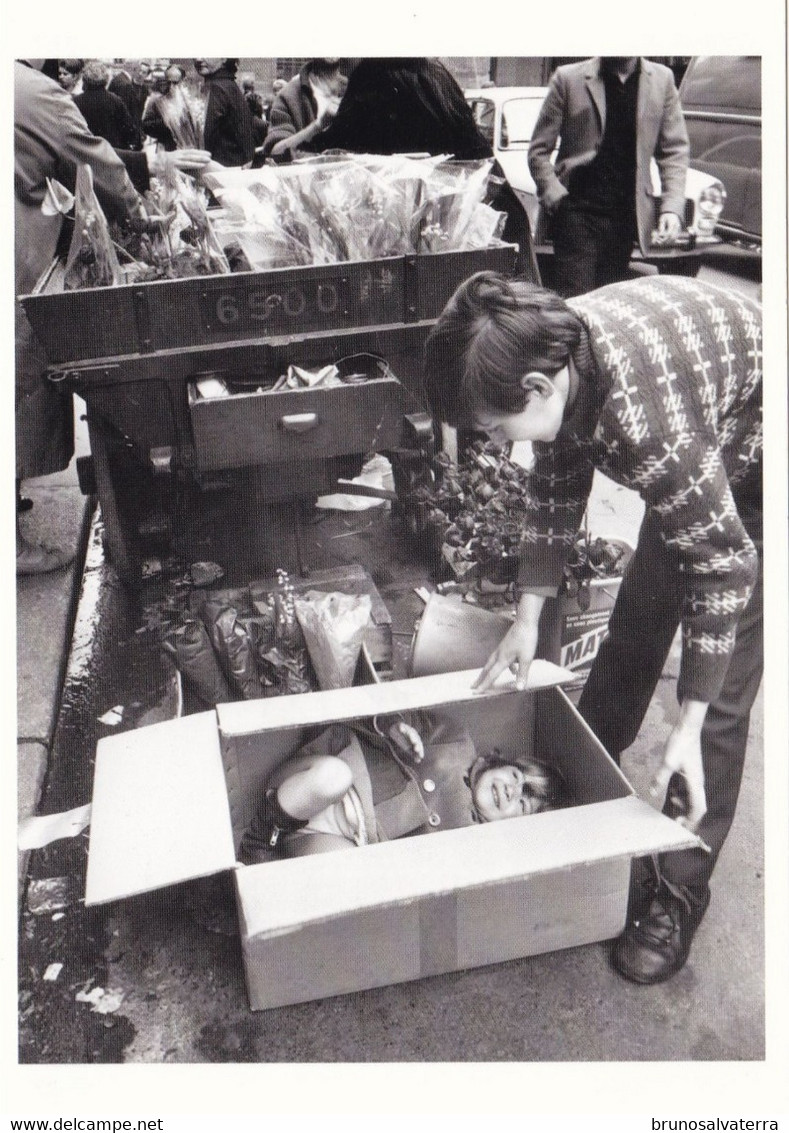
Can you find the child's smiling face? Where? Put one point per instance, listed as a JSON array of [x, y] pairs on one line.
[[499, 793]]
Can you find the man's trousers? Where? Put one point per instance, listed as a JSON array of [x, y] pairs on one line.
[[628, 667], [589, 250]]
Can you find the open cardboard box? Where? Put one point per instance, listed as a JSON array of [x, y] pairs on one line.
[[171, 801]]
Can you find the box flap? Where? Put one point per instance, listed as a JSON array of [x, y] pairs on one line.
[[278, 896], [160, 809], [249, 716]]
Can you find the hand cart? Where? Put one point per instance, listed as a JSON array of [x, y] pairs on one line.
[[136, 353]]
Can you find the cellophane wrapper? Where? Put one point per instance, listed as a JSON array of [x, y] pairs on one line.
[[192, 652], [334, 625], [179, 240], [193, 245], [339, 208], [184, 115], [92, 260]]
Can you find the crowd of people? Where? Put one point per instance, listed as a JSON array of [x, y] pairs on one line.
[[655, 381]]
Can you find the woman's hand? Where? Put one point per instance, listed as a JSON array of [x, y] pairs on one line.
[[187, 159], [516, 650], [683, 757]]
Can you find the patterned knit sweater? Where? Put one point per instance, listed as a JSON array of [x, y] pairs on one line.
[[669, 404]]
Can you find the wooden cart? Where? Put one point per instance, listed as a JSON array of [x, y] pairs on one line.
[[136, 354]]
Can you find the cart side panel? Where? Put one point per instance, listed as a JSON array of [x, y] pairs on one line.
[[288, 301], [95, 323], [112, 322], [438, 276]]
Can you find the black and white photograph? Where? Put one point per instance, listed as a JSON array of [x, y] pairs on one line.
[[392, 476]]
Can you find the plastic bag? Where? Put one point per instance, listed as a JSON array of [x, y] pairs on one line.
[[334, 625], [452, 193], [194, 657], [198, 233], [236, 653], [92, 261]]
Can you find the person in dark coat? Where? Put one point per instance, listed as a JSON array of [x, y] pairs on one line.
[[256, 109], [130, 84], [404, 106], [170, 116], [304, 107], [228, 122], [104, 112]]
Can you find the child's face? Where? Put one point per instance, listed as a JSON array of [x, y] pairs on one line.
[[499, 793]]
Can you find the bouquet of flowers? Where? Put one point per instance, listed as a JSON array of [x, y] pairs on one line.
[[183, 113], [334, 209], [177, 240], [451, 196], [92, 260], [592, 559], [478, 512], [262, 220]]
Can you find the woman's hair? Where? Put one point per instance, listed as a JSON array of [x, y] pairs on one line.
[[73, 66], [544, 784], [491, 333], [95, 75]]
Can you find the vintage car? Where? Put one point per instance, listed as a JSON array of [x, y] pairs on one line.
[[506, 117], [721, 97]]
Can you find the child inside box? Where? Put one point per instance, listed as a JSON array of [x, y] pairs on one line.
[[374, 780]]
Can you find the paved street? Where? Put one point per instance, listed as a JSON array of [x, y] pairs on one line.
[[174, 955]]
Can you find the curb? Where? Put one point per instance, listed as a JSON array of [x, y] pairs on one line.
[[33, 751]]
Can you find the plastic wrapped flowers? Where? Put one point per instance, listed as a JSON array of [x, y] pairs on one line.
[[353, 207]]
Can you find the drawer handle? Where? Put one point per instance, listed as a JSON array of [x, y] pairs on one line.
[[299, 422]]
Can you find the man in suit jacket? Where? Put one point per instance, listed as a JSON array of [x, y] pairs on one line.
[[613, 115]]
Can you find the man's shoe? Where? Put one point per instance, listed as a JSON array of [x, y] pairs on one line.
[[23, 504], [659, 932]]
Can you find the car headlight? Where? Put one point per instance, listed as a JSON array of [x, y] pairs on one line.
[[709, 208]]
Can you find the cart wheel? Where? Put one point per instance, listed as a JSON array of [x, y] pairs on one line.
[[120, 543]]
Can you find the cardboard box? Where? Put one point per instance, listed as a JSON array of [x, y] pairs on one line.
[[171, 801], [571, 636]]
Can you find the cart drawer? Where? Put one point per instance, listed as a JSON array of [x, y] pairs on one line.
[[261, 428]]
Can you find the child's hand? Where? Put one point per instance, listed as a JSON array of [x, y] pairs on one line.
[[408, 741]]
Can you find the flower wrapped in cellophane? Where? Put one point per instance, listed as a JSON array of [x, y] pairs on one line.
[[451, 214], [359, 208], [262, 228], [338, 208], [183, 113], [92, 260], [178, 239]]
